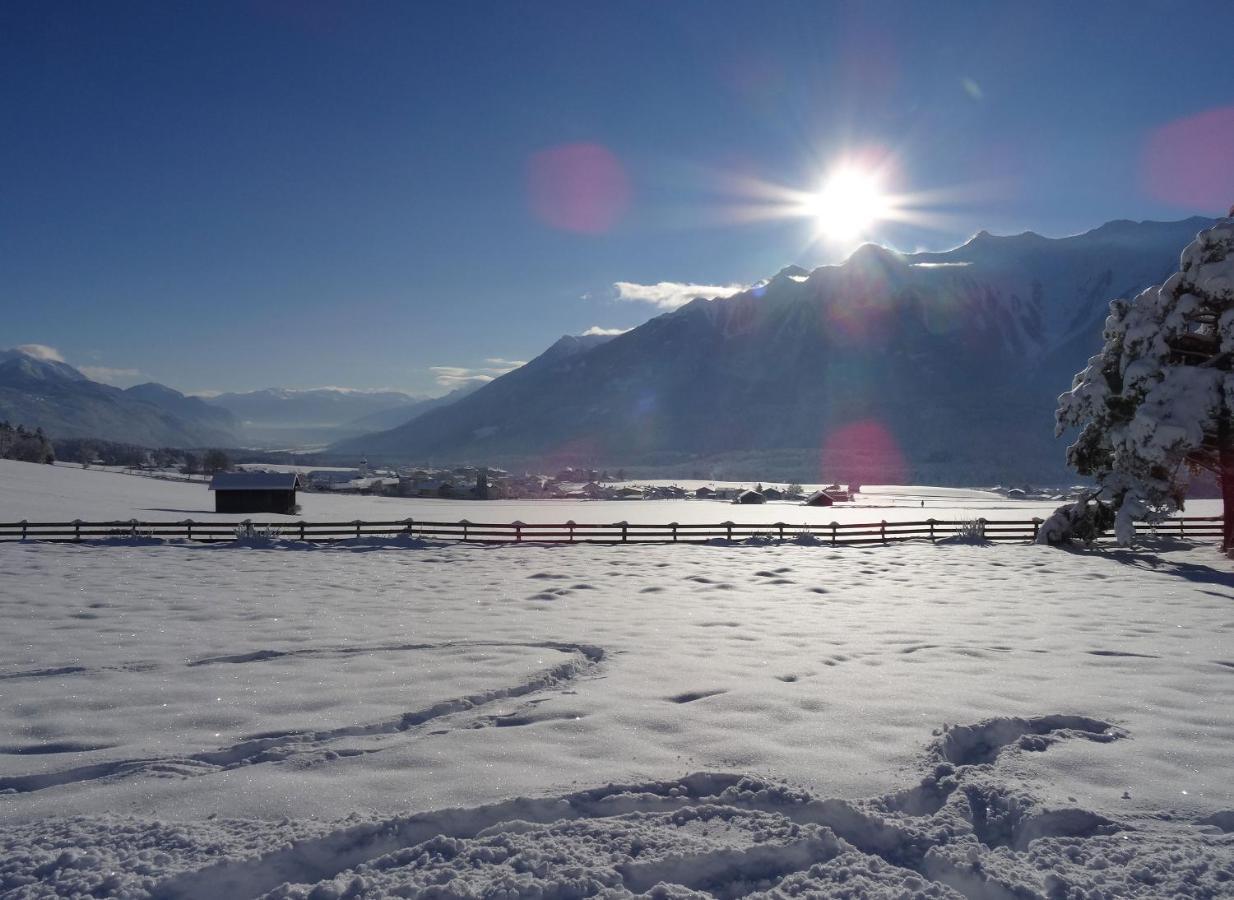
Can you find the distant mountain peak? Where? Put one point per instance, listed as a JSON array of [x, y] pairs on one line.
[[153, 388], [874, 254], [36, 367], [791, 272]]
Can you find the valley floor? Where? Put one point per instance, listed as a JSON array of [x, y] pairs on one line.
[[367, 718], [64, 493]]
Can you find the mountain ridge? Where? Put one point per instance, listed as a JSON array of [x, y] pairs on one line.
[[951, 357], [54, 396]]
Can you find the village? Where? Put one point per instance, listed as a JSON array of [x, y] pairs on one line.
[[489, 483]]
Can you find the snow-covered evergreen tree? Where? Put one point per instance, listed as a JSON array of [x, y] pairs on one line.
[[1158, 400]]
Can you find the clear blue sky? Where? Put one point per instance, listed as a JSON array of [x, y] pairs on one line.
[[232, 195]]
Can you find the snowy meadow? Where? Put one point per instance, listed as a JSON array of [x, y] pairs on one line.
[[373, 718]]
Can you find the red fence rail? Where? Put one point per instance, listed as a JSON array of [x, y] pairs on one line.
[[833, 533]]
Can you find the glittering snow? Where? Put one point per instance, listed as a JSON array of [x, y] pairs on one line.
[[370, 718]]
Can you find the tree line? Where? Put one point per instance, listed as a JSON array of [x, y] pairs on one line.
[[16, 442]]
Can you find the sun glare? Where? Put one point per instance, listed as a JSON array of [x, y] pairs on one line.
[[850, 202]]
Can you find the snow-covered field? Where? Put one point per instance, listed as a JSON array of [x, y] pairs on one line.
[[63, 493], [374, 718]]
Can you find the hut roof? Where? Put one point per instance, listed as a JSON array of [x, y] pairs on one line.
[[255, 481]]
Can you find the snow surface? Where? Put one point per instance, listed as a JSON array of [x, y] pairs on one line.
[[186, 720]]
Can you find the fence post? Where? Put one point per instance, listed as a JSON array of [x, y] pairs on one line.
[[674, 525], [1182, 529], [1036, 526], [834, 526], [133, 527], [882, 531], [188, 529], [24, 528], [465, 525], [624, 531], [247, 525], [357, 524], [729, 526], [302, 530], [981, 525], [931, 522], [570, 525], [77, 529], [780, 525], [518, 532], [410, 524]]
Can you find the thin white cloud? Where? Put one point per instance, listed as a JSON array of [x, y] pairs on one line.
[[672, 294], [598, 330], [41, 351], [208, 393], [110, 375], [458, 376], [348, 390], [106, 374]]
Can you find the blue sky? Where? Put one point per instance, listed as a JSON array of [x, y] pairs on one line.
[[233, 195]]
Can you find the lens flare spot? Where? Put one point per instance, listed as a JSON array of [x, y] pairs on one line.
[[1190, 162], [862, 452], [578, 187]]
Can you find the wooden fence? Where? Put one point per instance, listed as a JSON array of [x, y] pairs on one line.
[[834, 533]]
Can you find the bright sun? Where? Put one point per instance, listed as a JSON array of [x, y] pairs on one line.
[[849, 203]]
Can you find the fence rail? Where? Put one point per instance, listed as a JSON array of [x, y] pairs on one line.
[[833, 533]]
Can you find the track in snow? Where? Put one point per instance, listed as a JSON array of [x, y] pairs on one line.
[[653, 834], [582, 659]]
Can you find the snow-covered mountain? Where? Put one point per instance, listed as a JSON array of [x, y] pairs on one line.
[[56, 397], [37, 391], [939, 367], [282, 417]]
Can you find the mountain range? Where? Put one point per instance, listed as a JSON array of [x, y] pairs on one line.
[[37, 391], [56, 397], [932, 367], [281, 418]]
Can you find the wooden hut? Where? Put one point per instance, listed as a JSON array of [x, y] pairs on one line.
[[255, 492], [748, 497], [819, 498]]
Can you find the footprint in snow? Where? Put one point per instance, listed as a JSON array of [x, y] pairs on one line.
[[692, 696]]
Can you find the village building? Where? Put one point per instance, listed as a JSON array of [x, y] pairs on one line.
[[819, 498], [704, 493], [255, 492], [750, 497], [773, 494]]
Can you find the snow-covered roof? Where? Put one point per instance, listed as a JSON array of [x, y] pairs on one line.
[[255, 481]]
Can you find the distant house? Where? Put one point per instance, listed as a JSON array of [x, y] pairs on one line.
[[1016, 494], [819, 498], [704, 493], [839, 494], [748, 497], [327, 477], [255, 492], [630, 493], [773, 494], [663, 492]]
